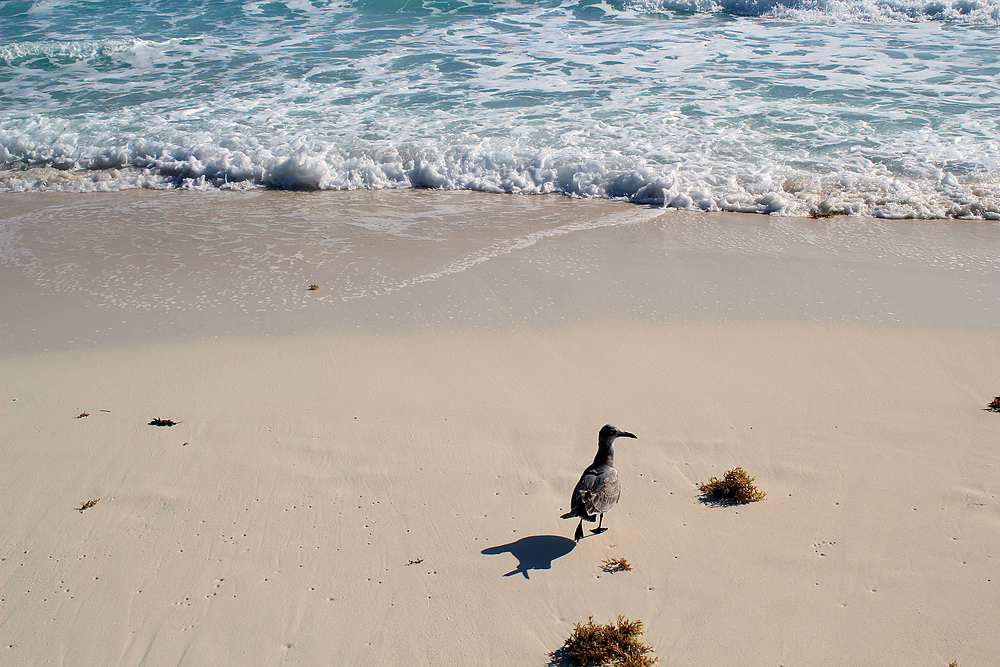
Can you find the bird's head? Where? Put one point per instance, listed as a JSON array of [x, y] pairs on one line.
[[609, 432]]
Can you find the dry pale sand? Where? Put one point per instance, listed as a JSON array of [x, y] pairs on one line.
[[373, 473]]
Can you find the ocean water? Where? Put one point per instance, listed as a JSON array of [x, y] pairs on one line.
[[884, 108]]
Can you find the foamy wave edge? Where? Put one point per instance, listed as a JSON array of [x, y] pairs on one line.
[[777, 190]]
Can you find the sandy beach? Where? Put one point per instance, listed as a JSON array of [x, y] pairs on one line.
[[372, 472]]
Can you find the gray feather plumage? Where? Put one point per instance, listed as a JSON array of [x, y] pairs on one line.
[[598, 489]]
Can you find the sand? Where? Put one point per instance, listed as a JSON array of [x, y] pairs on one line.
[[373, 472]]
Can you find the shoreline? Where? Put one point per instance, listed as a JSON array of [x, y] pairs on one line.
[[138, 266], [390, 490]]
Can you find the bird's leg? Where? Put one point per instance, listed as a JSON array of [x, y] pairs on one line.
[[579, 531], [599, 530]]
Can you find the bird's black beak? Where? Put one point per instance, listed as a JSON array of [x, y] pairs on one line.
[[625, 434]]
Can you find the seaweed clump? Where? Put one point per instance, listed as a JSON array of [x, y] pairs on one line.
[[163, 422], [994, 405], [88, 504], [608, 645], [616, 565], [736, 486]]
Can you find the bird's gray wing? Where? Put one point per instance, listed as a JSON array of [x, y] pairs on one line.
[[605, 492], [596, 492]]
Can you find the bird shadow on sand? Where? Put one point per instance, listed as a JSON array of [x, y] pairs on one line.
[[534, 553]]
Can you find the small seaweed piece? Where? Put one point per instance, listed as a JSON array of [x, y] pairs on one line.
[[416, 561], [736, 486], [994, 405], [313, 287], [88, 504], [163, 422], [616, 565], [821, 214], [608, 644], [82, 415]]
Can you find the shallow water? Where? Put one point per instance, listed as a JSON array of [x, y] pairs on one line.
[[125, 268], [879, 108]]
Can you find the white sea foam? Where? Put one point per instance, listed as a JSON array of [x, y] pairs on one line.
[[78, 50], [878, 108], [883, 11]]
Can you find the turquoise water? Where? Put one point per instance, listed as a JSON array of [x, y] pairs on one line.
[[887, 108]]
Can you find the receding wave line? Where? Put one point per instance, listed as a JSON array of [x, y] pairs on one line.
[[778, 191]]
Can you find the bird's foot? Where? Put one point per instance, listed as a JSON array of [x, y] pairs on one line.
[[597, 531], [579, 532]]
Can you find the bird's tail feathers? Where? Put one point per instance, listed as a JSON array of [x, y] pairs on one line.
[[568, 515]]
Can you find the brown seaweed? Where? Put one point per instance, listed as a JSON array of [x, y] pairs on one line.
[[616, 565], [607, 644], [88, 504], [736, 486]]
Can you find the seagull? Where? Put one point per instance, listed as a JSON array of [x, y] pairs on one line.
[[598, 490]]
